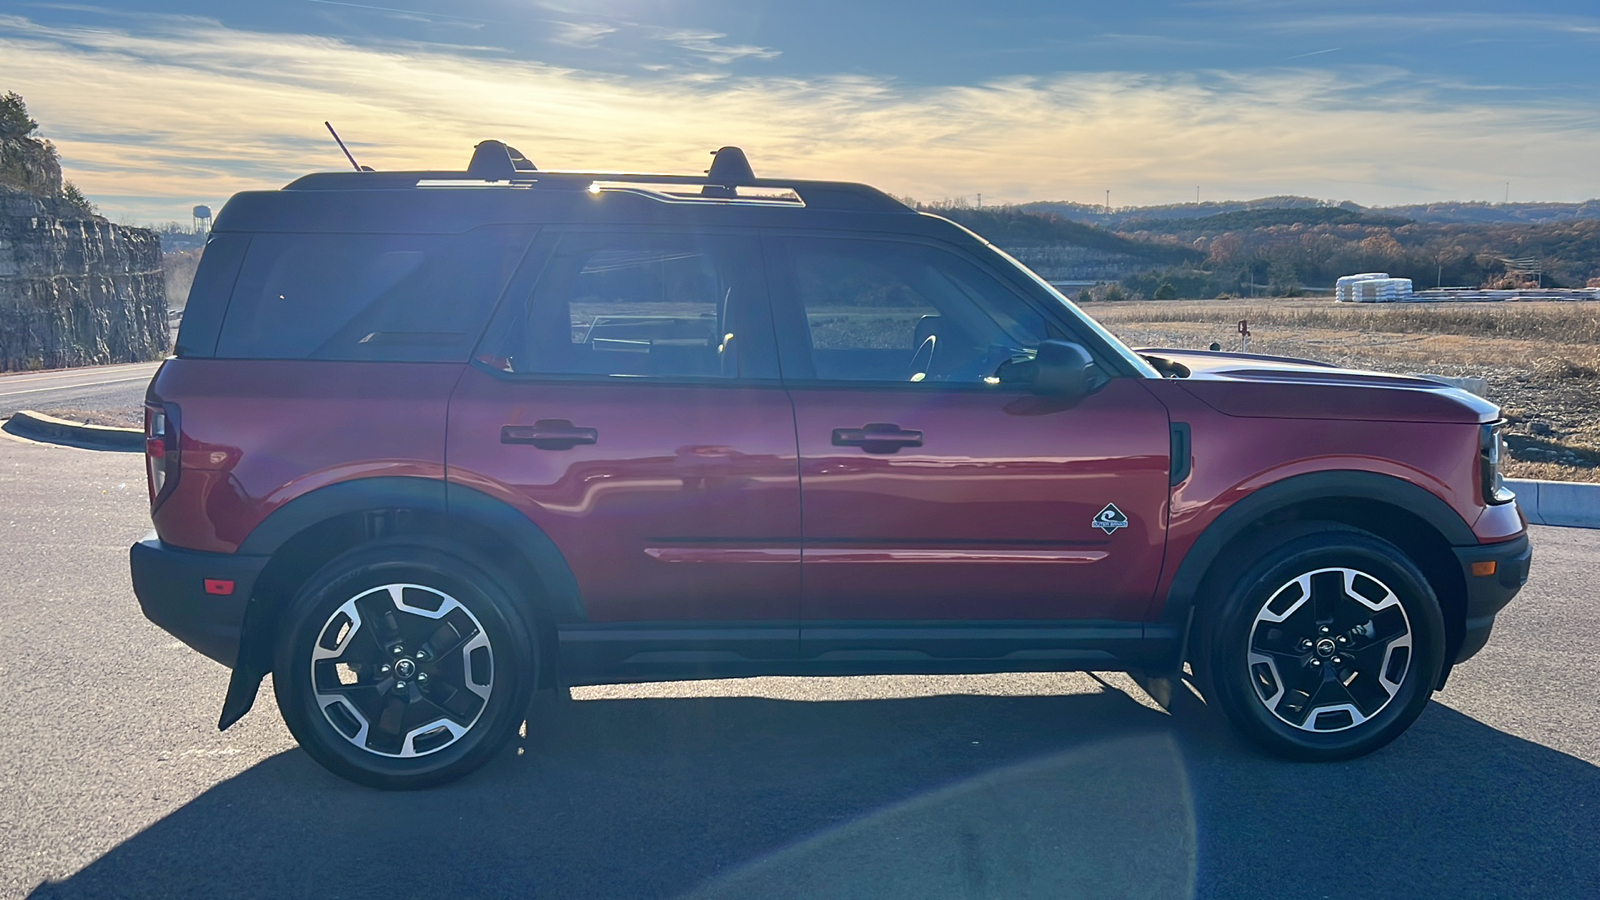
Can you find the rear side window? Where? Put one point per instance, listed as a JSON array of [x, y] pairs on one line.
[[652, 305], [375, 297]]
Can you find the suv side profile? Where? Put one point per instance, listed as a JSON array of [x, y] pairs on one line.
[[430, 441]]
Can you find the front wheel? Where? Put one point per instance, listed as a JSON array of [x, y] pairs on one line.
[[1326, 647], [402, 665]]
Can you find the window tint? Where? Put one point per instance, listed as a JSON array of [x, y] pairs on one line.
[[391, 297], [887, 311], [640, 305]]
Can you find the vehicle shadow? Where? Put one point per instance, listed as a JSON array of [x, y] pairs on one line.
[[945, 796]]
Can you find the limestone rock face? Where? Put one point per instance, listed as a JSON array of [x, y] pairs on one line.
[[75, 289]]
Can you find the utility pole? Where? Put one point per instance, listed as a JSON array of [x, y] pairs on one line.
[[980, 201], [1108, 201], [1508, 192]]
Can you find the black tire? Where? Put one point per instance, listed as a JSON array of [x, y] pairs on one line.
[[1351, 664], [393, 610]]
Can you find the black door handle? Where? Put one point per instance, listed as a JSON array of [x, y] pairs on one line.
[[877, 437], [549, 434]]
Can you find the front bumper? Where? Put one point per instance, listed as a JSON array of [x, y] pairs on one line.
[[1488, 594], [171, 584]]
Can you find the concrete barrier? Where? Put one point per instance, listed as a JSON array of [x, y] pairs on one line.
[[1570, 503], [51, 430]]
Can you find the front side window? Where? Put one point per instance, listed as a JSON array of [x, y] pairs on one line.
[[900, 312], [640, 305]]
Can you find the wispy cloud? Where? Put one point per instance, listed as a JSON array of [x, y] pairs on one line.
[[708, 45], [219, 110], [581, 34], [1313, 53], [1406, 23], [409, 15]]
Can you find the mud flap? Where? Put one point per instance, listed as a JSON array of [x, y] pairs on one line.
[[253, 664]]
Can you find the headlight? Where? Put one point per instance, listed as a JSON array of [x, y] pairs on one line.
[[1492, 445]]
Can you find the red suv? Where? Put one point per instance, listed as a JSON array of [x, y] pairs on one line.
[[432, 440]]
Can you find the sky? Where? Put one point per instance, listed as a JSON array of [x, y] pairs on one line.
[[158, 105]]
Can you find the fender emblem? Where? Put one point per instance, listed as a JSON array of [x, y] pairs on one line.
[[1110, 519]]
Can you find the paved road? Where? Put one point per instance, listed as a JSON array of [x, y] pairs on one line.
[[96, 388], [114, 781]]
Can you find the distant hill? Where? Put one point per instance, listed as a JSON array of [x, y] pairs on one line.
[[1010, 227], [1442, 213], [1097, 215], [1244, 219], [1459, 213]]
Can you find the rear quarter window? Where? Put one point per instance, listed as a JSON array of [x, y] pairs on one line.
[[368, 297]]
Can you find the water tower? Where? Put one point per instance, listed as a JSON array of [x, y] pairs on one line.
[[202, 219]]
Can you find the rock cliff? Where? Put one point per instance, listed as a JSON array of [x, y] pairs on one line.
[[75, 289]]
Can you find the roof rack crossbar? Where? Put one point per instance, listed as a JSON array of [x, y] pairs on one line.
[[495, 162]]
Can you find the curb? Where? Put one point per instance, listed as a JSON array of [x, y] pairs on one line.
[[1572, 504], [51, 430]]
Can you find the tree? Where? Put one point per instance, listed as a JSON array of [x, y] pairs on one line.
[[14, 120], [76, 198], [1165, 292]]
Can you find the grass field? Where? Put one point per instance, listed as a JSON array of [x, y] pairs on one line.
[[1541, 360]]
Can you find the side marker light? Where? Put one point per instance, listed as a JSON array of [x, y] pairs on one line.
[[220, 586], [1484, 569]]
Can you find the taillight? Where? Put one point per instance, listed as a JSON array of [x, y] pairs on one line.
[[160, 450]]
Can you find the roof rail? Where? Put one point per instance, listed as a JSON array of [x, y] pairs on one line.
[[495, 164]]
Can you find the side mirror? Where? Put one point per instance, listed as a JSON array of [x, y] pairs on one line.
[[1063, 368]]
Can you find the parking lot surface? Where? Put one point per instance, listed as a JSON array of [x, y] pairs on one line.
[[117, 783]]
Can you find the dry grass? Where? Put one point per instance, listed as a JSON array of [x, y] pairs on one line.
[[1541, 360], [1558, 323]]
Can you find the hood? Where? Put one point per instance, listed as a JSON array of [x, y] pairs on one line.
[[1244, 384]]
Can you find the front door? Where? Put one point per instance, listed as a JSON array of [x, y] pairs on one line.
[[932, 489], [628, 404]]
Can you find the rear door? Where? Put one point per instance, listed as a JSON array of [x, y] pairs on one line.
[[931, 488], [628, 403]]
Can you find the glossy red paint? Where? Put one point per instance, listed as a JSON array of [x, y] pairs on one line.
[[1003, 493], [1239, 454], [257, 434], [682, 507]]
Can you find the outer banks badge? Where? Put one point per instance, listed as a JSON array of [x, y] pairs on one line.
[[1110, 519]]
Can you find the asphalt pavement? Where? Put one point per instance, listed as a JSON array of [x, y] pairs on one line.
[[96, 388], [117, 784]]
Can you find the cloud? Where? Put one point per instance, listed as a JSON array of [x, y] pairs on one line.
[[218, 110], [581, 34], [706, 45]]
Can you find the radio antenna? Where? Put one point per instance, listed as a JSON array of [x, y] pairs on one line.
[[344, 148]]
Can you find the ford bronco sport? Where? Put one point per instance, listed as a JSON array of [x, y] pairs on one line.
[[431, 441]]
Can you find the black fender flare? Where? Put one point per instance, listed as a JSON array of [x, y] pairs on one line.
[[1343, 484], [559, 598]]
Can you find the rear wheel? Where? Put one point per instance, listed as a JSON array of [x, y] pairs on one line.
[[403, 665], [1326, 647]]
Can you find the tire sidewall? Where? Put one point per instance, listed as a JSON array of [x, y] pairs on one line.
[[393, 562], [1228, 633]]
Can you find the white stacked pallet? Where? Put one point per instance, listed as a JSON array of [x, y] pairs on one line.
[[1372, 287]]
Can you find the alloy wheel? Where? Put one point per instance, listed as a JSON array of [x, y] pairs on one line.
[[402, 670], [1329, 650]]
